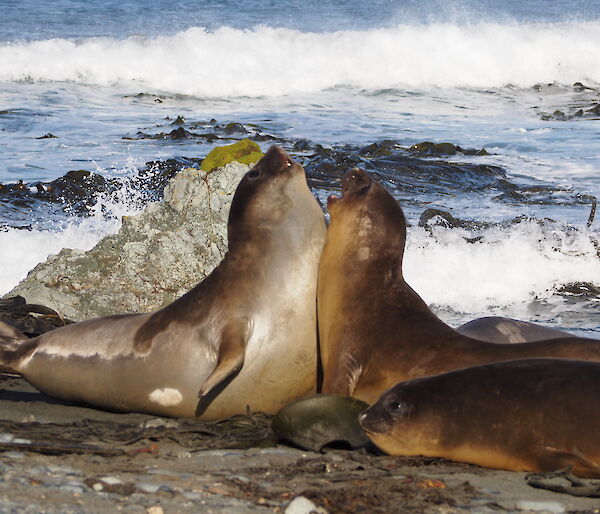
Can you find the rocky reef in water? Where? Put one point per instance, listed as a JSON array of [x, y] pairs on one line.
[[155, 257]]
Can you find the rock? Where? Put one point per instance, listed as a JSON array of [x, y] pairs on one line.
[[316, 421], [302, 505], [180, 120], [233, 128], [244, 151], [156, 256], [428, 148]]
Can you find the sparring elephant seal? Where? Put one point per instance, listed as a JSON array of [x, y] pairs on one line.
[[522, 415], [244, 338], [374, 329], [497, 329]]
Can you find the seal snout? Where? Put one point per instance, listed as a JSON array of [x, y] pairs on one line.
[[277, 158], [373, 422], [355, 181]]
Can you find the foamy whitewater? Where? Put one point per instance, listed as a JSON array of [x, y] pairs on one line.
[[265, 61], [474, 73]]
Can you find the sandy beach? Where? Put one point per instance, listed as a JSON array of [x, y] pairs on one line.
[[63, 458]]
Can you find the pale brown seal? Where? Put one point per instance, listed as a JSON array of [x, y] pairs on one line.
[[244, 338], [498, 329], [374, 329], [523, 415]]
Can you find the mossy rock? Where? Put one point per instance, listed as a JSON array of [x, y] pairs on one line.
[[244, 151]]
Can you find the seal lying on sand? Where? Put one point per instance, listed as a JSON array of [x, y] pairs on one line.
[[374, 330], [243, 338], [496, 329], [522, 415]]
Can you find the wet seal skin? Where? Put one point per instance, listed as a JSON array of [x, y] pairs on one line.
[[521, 415], [374, 329], [244, 338], [497, 329]]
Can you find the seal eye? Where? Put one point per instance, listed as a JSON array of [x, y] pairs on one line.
[[253, 174], [288, 163], [394, 406]]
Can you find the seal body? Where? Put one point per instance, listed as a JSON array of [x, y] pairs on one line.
[[522, 415], [244, 338], [497, 329], [374, 329]]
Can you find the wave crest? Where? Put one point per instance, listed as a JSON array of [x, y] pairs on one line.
[[268, 61]]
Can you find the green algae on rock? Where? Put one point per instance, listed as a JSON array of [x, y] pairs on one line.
[[244, 151]]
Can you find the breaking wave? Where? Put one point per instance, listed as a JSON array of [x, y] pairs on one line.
[[266, 61]]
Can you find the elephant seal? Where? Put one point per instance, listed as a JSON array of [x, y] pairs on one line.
[[244, 338], [374, 329], [497, 329], [521, 415]]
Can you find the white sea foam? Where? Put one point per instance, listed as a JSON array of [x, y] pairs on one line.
[[22, 250], [507, 267], [268, 61]]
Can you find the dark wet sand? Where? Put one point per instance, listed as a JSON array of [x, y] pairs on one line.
[[62, 458]]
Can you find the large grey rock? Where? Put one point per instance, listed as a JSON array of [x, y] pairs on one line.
[[155, 257]]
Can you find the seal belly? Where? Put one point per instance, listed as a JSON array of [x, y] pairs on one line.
[[130, 383]]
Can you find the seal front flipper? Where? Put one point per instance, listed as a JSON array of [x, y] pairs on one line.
[[342, 375], [552, 459], [231, 352]]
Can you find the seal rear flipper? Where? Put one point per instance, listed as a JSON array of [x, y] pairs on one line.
[[231, 353], [13, 351], [8, 331], [552, 459]]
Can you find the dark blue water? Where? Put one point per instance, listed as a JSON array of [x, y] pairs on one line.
[[36, 20]]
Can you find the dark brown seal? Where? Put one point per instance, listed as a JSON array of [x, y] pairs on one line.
[[523, 415], [374, 329], [244, 338]]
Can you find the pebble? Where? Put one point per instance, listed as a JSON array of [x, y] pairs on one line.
[[5, 437], [159, 422], [72, 488], [111, 480], [15, 455], [145, 487], [156, 509], [545, 506], [191, 495], [302, 505]]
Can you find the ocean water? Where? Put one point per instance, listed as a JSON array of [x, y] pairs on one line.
[[479, 74]]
